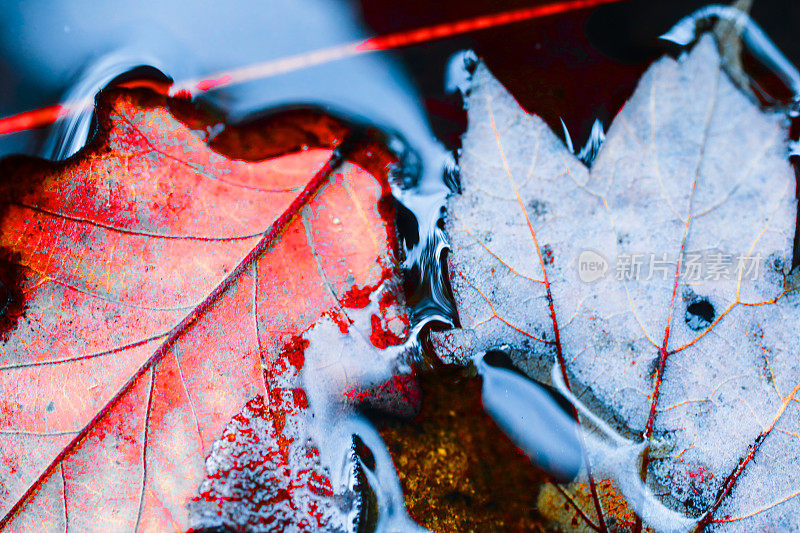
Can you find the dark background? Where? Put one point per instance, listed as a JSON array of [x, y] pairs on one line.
[[575, 66]]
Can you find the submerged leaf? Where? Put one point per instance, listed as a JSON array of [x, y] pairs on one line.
[[657, 280]]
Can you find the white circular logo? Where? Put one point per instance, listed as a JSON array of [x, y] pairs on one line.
[[591, 266]]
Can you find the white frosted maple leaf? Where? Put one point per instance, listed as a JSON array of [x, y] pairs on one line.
[[698, 348]]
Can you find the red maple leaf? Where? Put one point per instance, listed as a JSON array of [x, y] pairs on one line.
[[155, 287]]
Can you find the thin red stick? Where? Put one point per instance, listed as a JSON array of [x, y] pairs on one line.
[[44, 116]]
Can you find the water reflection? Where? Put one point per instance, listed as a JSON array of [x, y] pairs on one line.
[[80, 45]]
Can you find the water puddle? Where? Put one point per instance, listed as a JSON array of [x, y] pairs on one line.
[[362, 446]]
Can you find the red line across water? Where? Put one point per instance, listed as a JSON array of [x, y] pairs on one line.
[[44, 116]]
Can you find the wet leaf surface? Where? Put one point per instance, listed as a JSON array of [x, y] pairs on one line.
[[703, 365], [158, 294]]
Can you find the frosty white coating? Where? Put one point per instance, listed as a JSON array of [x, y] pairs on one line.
[[688, 165]]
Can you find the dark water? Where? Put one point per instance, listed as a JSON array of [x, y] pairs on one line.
[[576, 66], [575, 69]]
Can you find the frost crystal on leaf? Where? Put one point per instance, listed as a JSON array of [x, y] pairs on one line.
[[269, 483], [702, 359]]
